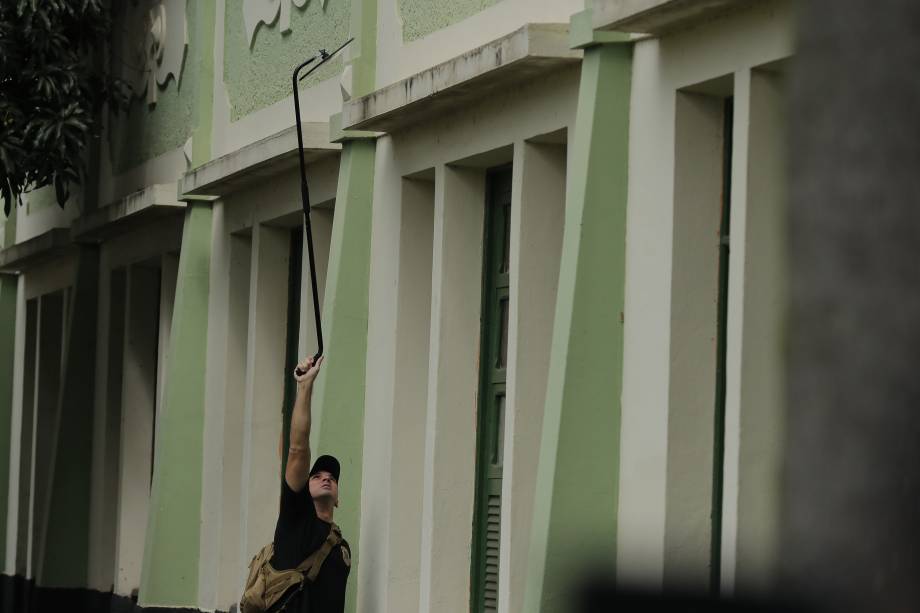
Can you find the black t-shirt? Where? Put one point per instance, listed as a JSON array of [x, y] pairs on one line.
[[298, 533]]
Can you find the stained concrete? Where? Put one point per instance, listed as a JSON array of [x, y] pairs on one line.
[[527, 54]]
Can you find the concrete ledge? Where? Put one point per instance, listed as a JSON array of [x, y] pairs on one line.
[[659, 16], [27, 253], [527, 53], [259, 161], [129, 213]]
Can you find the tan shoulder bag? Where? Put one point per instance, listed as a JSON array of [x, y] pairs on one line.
[[266, 585]]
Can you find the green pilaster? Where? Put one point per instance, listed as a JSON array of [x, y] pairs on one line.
[[339, 419], [575, 505], [338, 427], [8, 287], [8, 291], [66, 555], [364, 60], [203, 113], [171, 551]]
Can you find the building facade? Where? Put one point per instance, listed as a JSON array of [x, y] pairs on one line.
[[550, 247]]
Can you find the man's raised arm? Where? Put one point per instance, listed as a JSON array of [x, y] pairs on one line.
[[298, 460]]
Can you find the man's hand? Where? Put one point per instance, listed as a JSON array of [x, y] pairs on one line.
[[309, 370]]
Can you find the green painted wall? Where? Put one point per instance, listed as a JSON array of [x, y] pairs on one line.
[[575, 504], [364, 49], [203, 113], [8, 291], [423, 17], [339, 427], [66, 550], [171, 551], [260, 76], [145, 131], [8, 288]]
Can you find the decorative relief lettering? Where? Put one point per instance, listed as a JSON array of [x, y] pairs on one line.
[[267, 12], [154, 39]]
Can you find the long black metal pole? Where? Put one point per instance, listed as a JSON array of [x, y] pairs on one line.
[[323, 57]]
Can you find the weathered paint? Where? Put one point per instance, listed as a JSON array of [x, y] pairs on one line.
[[145, 132], [171, 552], [423, 17], [579, 454], [66, 543], [338, 426], [258, 77]]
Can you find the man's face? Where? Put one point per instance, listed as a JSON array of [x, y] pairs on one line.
[[323, 485]]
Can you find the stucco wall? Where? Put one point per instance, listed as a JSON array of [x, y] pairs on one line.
[[146, 131], [422, 17], [259, 76]]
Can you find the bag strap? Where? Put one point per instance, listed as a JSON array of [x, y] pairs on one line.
[[317, 558]]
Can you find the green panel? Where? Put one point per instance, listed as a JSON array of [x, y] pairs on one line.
[[66, 555], [260, 76], [423, 17], [8, 290], [364, 50], [171, 551], [145, 131], [338, 422], [575, 504], [203, 113], [492, 378]]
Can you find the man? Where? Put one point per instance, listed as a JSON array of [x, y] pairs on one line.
[[308, 500]]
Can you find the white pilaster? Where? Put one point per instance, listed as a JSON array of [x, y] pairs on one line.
[[450, 429]]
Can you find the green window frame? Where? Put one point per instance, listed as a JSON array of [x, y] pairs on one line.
[[491, 413]]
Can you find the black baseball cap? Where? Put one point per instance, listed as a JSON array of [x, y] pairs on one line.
[[327, 463]]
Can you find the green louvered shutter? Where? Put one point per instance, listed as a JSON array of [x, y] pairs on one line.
[[491, 422]]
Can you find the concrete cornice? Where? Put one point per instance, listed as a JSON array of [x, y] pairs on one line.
[[130, 212], [20, 256], [659, 16], [525, 54], [259, 161]]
